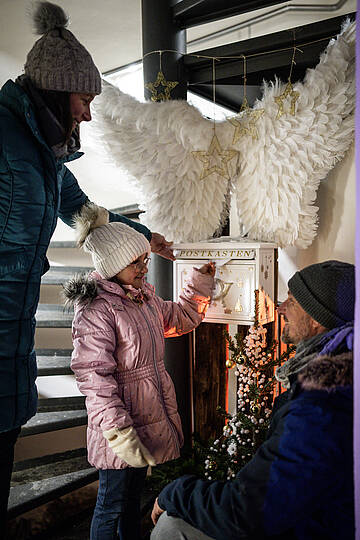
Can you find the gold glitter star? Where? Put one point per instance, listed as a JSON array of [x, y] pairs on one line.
[[242, 129], [215, 153], [289, 91], [161, 88]]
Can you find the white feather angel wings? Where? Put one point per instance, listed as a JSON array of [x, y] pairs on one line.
[[274, 177]]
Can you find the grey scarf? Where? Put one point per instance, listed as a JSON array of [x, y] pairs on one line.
[[335, 341], [305, 351]]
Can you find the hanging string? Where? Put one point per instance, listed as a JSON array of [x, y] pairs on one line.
[[251, 116], [289, 90], [295, 48], [215, 151], [245, 101], [214, 93], [293, 63], [160, 64]]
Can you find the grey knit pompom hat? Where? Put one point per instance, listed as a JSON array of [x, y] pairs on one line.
[[113, 246], [57, 60], [326, 291]]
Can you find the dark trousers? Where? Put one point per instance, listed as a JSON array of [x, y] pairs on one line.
[[117, 511], [7, 443]]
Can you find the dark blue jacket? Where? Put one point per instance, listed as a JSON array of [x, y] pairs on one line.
[[34, 190], [299, 485]]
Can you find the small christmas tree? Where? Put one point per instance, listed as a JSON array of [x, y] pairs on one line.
[[254, 360]]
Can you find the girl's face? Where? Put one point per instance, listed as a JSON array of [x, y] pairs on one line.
[[80, 107], [135, 272]]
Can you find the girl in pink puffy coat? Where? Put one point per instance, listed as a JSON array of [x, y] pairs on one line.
[[118, 335]]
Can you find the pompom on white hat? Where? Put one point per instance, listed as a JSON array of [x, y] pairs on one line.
[[113, 246]]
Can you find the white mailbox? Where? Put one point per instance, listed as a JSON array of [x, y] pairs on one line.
[[242, 267]]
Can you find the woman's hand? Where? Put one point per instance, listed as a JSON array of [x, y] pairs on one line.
[[162, 247], [208, 268]]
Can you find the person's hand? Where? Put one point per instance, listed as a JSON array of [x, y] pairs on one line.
[[161, 247], [156, 512], [208, 268], [126, 444]]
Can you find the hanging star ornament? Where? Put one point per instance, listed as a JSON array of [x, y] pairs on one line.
[[246, 128], [289, 91], [161, 88], [212, 157]]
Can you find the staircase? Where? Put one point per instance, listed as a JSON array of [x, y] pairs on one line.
[[50, 455]]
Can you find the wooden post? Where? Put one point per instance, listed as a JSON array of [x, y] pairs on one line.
[[210, 377]]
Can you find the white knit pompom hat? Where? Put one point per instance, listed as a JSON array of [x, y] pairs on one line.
[[113, 246]]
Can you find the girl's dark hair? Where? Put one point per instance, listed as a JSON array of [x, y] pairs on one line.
[[59, 104]]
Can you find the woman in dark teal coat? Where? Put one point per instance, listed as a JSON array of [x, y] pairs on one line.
[[40, 115]]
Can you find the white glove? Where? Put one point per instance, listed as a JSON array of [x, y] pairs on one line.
[[126, 444]]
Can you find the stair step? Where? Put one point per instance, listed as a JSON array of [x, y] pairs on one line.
[[63, 244], [44, 422], [53, 362], [38, 481], [53, 316], [56, 413], [57, 275], [131, 211], [73, 403]]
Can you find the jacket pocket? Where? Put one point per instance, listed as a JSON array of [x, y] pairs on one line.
[[17, 294], [13, 260], [127, 399], [19, 287]]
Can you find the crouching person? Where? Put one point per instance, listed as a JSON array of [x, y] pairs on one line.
[[118, 335], [299, 484]]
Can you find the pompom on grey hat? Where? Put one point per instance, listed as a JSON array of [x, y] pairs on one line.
[[326, 291], [113, 246], [57, 60]]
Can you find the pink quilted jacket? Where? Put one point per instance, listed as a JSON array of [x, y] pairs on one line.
[[118, 361]]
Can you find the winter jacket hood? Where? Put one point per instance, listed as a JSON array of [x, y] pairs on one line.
[[328, 373], [84, 288]]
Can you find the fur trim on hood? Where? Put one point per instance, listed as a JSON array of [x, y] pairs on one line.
[[80, 289], [328, 372]]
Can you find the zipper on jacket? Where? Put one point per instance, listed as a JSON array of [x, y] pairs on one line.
[[159, 381]]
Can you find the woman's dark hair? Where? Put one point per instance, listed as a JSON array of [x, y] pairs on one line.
[[59, 104]]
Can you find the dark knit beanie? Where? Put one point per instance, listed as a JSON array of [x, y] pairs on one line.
[[57, 60], [326, 291]]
